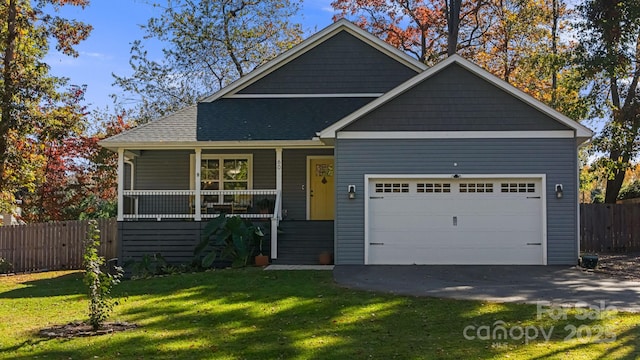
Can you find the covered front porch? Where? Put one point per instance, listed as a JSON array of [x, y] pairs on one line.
[[266, 185]]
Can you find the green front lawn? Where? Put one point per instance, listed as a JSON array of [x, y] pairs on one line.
[[254, 314]]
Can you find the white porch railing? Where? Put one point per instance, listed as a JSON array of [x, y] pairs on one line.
[[181, 204]]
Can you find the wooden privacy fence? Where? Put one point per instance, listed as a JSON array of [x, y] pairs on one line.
[[55, 245], [609, 228]]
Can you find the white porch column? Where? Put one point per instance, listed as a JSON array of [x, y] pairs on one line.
[[277, 212], [120, 184], [279, 175], [196, 167]]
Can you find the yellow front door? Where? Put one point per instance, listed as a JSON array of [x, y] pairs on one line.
[[321, 189]]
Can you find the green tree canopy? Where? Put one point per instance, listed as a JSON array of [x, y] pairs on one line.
[[610, 57], [33, 108], [206, 45]]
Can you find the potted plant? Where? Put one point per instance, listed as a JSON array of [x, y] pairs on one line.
[[260, 259], [325, 258]]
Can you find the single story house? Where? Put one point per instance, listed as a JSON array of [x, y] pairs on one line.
[[346, 144]]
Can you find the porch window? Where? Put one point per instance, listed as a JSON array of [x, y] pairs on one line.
[[224, 173]]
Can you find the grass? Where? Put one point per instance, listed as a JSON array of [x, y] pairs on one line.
[[254, 314]]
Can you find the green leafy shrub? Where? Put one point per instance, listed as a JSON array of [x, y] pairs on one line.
[[229, 238], [630, 191], [154, 265], [5, 266], [99, 282]]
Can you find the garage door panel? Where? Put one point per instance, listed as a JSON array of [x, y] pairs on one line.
[[443, 256], [500, 223], [441, 238], [408, 205], [481, 221], [412, 221], [427, 222]]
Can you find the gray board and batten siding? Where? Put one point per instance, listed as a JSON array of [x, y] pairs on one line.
[[556, 157], [342, 64], [455, 99]]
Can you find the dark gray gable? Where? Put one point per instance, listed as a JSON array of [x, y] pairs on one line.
[[341, 64], [271, 119], [455, 99]]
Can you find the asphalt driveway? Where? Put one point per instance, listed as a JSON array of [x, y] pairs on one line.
[[553, 285]]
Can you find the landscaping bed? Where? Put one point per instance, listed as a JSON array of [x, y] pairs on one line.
[[619, 266]]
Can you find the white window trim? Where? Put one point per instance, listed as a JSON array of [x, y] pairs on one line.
[[221, 157], [544, 134], [301, 96]]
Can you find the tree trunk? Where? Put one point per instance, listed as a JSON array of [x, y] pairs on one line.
[[453, 25], [6, 99], [614, 185]]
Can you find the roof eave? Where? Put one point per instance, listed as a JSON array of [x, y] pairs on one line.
[[174, 145]]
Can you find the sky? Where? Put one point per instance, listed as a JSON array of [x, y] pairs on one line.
[[116, 24]]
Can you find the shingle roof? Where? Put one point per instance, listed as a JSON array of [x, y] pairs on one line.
[[271, 118], [177, 127], [244, 119]]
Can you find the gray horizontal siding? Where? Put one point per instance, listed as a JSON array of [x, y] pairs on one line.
[[294, 181], [170, 170], [162, 170], [455, 100], [341, 64], [127, 176], [174, 240], [557, 158]]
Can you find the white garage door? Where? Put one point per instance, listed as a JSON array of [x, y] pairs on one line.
[[455, 221]]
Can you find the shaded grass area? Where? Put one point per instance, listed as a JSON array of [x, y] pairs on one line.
[[254, 314]]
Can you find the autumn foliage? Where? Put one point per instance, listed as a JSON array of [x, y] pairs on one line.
[[79, 177]]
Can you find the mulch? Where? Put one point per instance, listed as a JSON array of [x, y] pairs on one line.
[[619, 266], [83, 329]]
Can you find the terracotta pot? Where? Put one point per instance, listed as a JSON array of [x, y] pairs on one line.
[[262, 260], [325, 258]]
